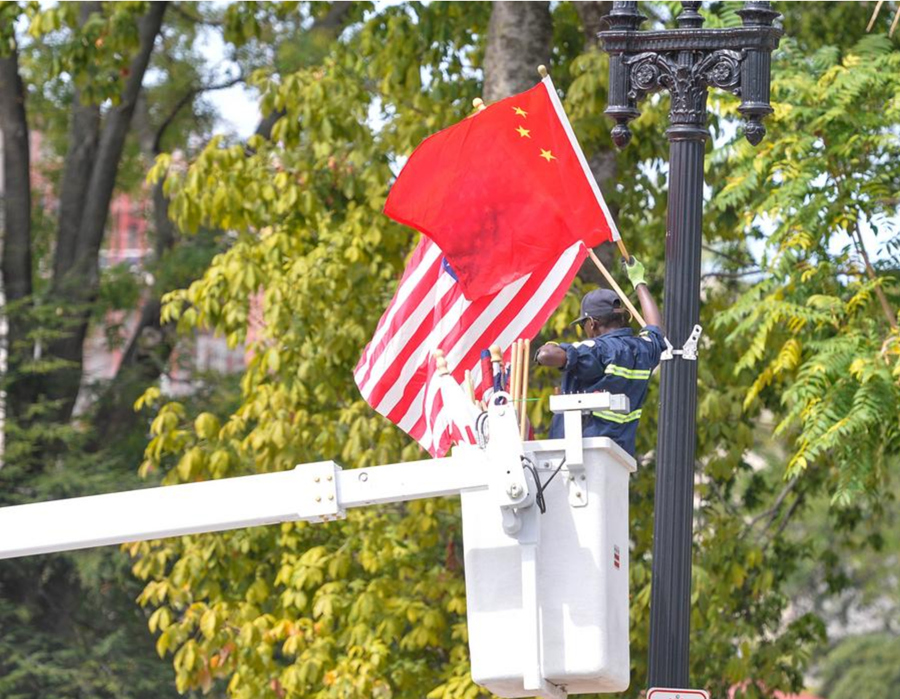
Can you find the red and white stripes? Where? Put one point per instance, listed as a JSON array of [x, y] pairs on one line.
[[429, 312]]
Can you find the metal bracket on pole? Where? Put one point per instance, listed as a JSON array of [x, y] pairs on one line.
[[689, 351]]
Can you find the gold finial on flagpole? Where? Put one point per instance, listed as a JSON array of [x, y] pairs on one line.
[[542, 71]]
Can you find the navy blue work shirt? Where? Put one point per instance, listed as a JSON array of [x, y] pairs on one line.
[[618, 362]]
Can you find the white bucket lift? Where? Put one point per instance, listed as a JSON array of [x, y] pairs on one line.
[[545, 533], [561, 581]]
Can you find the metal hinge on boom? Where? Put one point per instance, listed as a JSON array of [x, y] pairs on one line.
[[689, 351]]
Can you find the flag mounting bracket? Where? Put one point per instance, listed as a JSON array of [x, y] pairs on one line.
[[688, 351], [573, 407]]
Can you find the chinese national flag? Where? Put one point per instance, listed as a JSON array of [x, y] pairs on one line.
[[503, 191]]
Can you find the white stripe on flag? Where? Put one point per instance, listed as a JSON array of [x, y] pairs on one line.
[[424, 350], [510, 333]]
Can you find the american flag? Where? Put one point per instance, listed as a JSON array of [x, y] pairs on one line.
[[397, 374]]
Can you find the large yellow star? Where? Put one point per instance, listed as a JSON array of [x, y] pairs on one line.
[[524, 133], [547, 155], [520, 112]]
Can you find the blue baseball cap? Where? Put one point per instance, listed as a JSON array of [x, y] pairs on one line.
[[598, 303]]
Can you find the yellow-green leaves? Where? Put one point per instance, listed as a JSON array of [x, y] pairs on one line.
[[816, 330], [206, 426]]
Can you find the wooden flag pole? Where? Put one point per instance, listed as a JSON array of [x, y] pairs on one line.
[[513, 371], [612, 282], [526, 357], [470, 388], [517, 397]]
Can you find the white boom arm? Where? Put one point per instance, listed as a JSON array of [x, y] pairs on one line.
[[312, 492]]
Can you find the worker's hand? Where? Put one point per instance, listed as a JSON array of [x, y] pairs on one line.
[[550, 354], [635, 272]]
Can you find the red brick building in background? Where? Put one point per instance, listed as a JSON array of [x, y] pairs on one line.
[[128, 243]]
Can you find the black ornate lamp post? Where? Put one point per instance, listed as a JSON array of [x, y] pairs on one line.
[[686, 62]]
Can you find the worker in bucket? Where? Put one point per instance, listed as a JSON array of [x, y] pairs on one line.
[[611, 359]]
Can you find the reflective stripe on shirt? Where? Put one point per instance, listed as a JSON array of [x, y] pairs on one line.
[[617, 417], [626, 373]]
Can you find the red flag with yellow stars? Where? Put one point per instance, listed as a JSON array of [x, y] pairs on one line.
[[503, 192]]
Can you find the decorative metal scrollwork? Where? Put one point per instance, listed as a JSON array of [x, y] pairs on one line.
[[722, 69], [687, 84], [645, 74], [686, 62]]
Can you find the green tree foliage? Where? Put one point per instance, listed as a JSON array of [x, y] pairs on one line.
[[820, 330], [863, 666]]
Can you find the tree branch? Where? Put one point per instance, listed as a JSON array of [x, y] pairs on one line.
[[731, 275], [185, 100], [150, 346], [772, 512], [727, 256], [112, 141], [729, 508], [178, 8], [787, 517], [335, 19], [889, 313], [84, 131], [333, 22]]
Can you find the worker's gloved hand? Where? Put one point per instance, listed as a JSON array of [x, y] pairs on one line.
[[635, 271]]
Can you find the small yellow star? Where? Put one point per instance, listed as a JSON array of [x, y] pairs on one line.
[[524, 133], [547, 155], [520, 112]]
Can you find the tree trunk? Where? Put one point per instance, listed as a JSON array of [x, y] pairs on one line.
[[150, 346], [152, 343], [16, 246], [79, 275], [84, 132], [519, 40], [591, 15]]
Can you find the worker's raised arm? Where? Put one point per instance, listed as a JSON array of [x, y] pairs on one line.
[[650, 310]]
